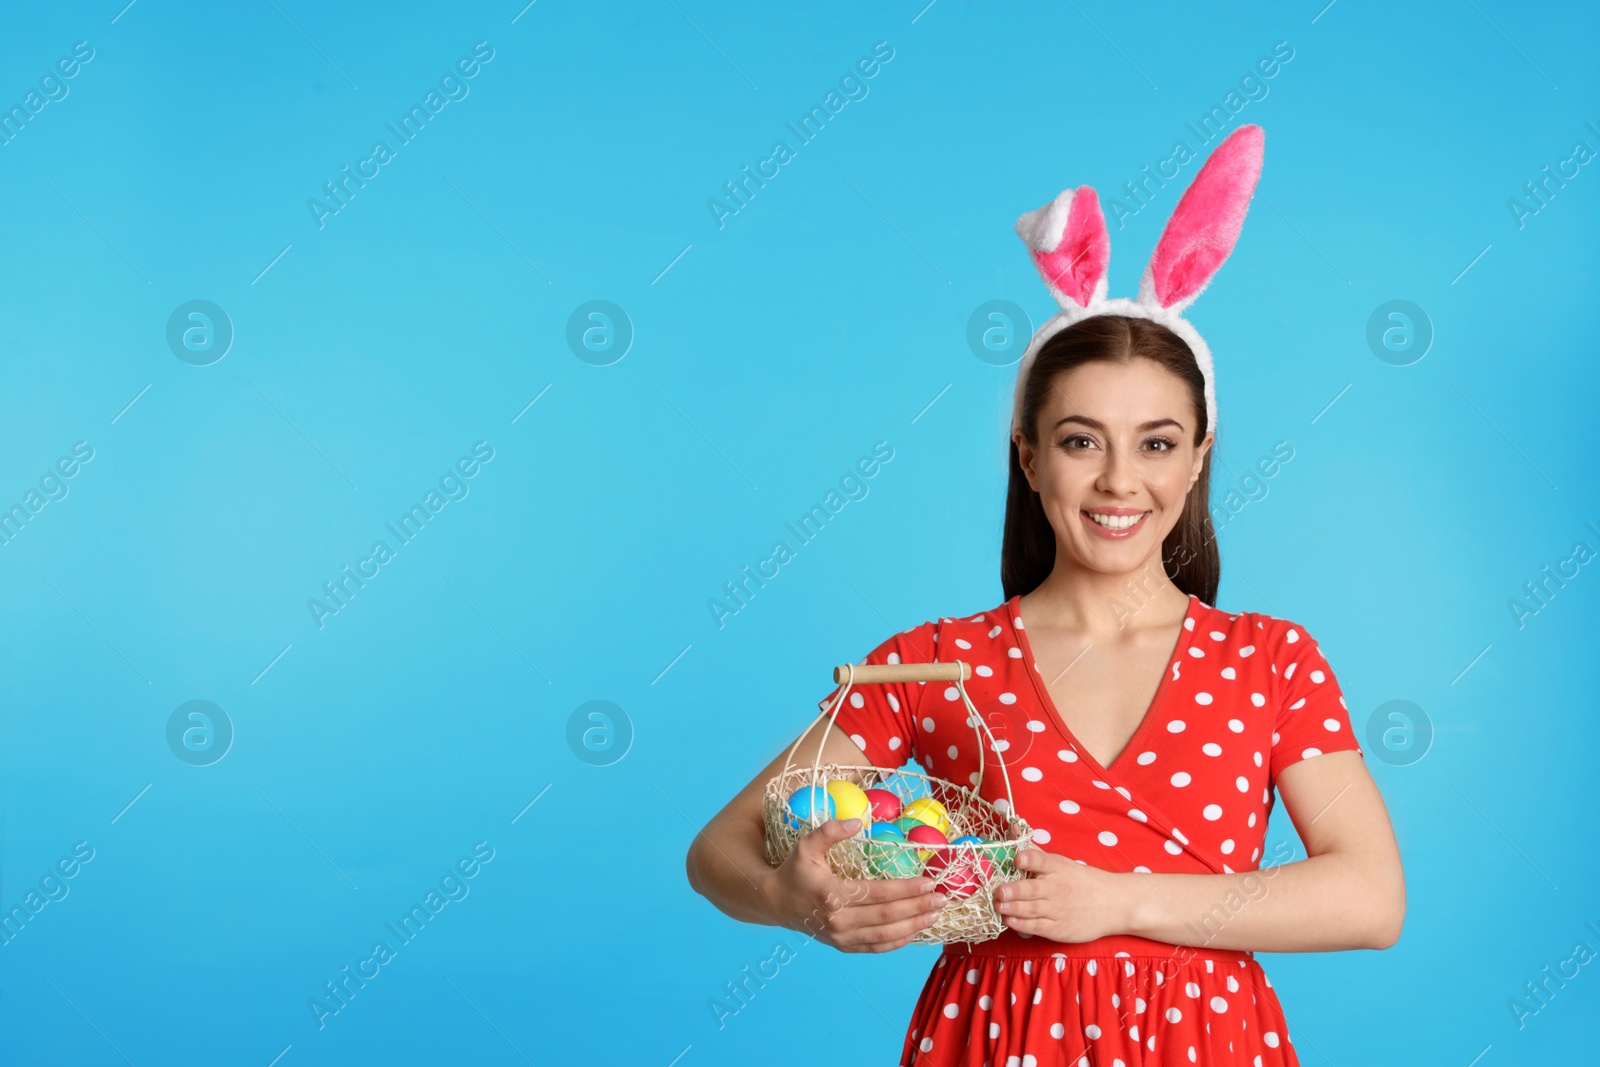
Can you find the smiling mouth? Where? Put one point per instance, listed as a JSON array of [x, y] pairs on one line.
[[1114, 524]]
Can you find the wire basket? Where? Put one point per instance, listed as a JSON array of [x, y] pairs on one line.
[[968, 873]]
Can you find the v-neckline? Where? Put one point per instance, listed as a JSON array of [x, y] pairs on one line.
[[1031, 665]]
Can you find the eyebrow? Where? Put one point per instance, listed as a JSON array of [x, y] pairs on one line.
[[1098, 425]]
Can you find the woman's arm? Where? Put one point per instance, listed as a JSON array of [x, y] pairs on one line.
[[1349, 891], [727, 865]]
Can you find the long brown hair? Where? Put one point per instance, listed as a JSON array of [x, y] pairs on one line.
[[1028, 545]]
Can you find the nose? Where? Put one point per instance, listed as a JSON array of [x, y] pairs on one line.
[[1119, 474]]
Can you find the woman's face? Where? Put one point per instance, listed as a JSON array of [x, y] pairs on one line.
[[1114, 462]]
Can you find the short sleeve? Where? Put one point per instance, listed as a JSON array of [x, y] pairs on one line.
[[1312, 717], [881, 716]]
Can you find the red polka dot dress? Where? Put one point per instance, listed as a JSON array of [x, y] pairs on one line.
[[1243, 696]]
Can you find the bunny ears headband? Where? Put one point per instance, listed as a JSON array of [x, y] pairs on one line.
[[1068, 240]]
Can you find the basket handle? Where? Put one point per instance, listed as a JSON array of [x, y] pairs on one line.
[[881, 672], [957, 671]]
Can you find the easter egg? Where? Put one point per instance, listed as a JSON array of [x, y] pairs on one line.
[[905, 824], [964, 872], [896, 863], [886, 859], [886, 829], [969, 839], [1004, 856], [905, 786], [885, 805], [849, 801], [801, 803], [930, 811], [923, 834]]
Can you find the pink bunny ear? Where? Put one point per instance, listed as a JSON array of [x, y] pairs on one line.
[[1206, 222], [1068, 240]]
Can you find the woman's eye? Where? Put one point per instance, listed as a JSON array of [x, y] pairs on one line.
[[1080, 441]]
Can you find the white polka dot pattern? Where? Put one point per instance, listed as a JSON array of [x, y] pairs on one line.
[[1189, 792]]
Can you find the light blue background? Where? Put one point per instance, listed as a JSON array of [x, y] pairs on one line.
[[774, 352]]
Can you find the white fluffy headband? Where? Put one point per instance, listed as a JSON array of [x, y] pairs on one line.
[[1072, 250]]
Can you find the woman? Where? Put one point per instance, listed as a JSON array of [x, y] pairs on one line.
[[1144, 729]]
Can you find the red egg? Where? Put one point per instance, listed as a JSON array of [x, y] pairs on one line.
[[923, 834], [885, 805], [965, 873]]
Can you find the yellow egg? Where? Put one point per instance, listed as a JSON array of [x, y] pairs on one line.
[[930, 811], [849, 801]]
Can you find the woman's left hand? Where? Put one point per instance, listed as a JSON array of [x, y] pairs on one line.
[[1064, 900]]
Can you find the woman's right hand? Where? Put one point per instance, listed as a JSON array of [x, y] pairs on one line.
[[852, 915]]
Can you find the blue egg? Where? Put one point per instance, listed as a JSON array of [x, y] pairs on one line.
[[801, 805], [906, 787], [886, 831], [968, 840]]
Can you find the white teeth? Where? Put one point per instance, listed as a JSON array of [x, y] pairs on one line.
[[1115, 522]]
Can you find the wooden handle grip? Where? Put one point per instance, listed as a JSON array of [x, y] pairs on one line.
[[906, 672]]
